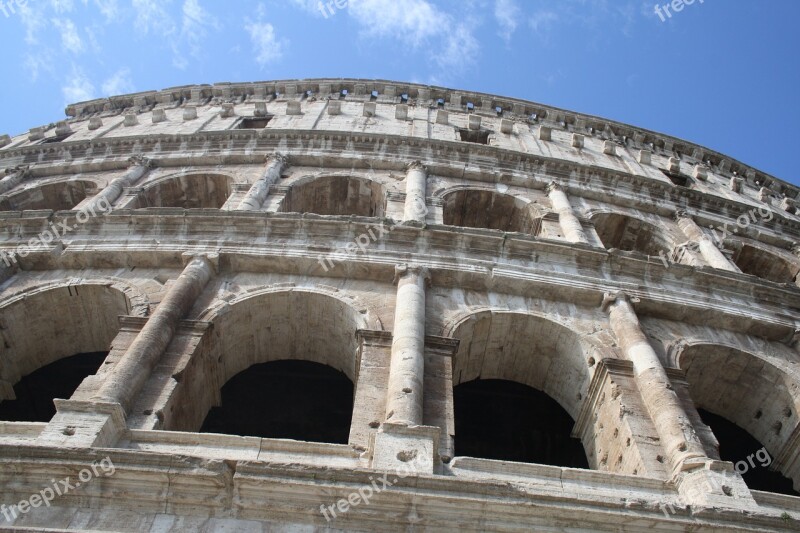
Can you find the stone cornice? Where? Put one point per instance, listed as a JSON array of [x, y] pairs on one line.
[[513, 263], [423, 94], [450, 158]]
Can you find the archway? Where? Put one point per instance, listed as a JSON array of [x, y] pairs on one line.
[[45, 326], [745, 390], [630, 234], [500, 419], [748, 456], [61, 196], [766, 265], [285, 325], [189, 191], [336, 195], [475, 208], [506, 357], [316, 403]]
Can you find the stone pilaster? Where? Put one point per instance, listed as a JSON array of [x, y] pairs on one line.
[[678, 438], [258, 192], [711, 254], [131, 372], [139, 167], [570, 225], [16, 177], [404, 398], [416, 187]]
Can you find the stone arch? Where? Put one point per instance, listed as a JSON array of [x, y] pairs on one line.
[[61, 195], [529, 334], [192, 190], [759, 260], [274, 324], [50, 322], [747, 390], [476, 207], [631, 234], [335, 194]]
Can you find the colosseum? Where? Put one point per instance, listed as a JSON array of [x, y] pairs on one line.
[[362, 305]]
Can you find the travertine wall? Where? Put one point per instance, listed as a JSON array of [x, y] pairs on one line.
[[192, 238]]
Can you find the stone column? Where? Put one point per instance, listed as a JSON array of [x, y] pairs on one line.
[[130, 373], [12, 180], [711, 254], [407, 366], [258, 192], [139, 167], [678, 438], [570, 225], [416, 191]]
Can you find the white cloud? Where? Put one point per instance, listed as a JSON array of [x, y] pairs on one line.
[[196, 22], [266, 45], [70, 39], [151, 17], [507, 13], [78, 87], [62, 6], [413, 21], [108, 8], [119, 83], [541, 21]]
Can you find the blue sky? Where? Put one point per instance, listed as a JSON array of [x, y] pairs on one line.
[[722, 73]]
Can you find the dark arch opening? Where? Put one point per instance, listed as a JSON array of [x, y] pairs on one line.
[[505, 420], [336, 195], [36, 391], [61, 196], [486, 209], [748, 455], [630, 234], [287, 399], [207, 191], [756, 262]]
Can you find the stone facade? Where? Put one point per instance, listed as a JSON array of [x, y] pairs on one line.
[[413, 238]]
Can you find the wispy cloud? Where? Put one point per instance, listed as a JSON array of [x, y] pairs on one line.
[[70, 39], [78, 87], [507, 13], [266, 46], [119, 83]]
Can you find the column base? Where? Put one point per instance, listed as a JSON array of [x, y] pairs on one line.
[[714, 484], [80, 424], [406, 450]]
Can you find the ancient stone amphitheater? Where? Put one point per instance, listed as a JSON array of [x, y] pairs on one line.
[[377, 306]]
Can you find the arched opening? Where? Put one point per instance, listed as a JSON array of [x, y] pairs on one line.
[[34, 393], [499, 419], [61, 196], [511, 368], [298, 400], [474, 208], [752, 395], [42, 330], [757, 262], [336, 195], [285, 326], [749, 457], [630, 234], [191, 191]]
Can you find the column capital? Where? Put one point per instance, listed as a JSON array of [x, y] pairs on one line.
[[553, 186], [400, 271], [141, 161], [416, 165], [23, 170], [682, 214], [211, 259], [610, 298], [277, 158]]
